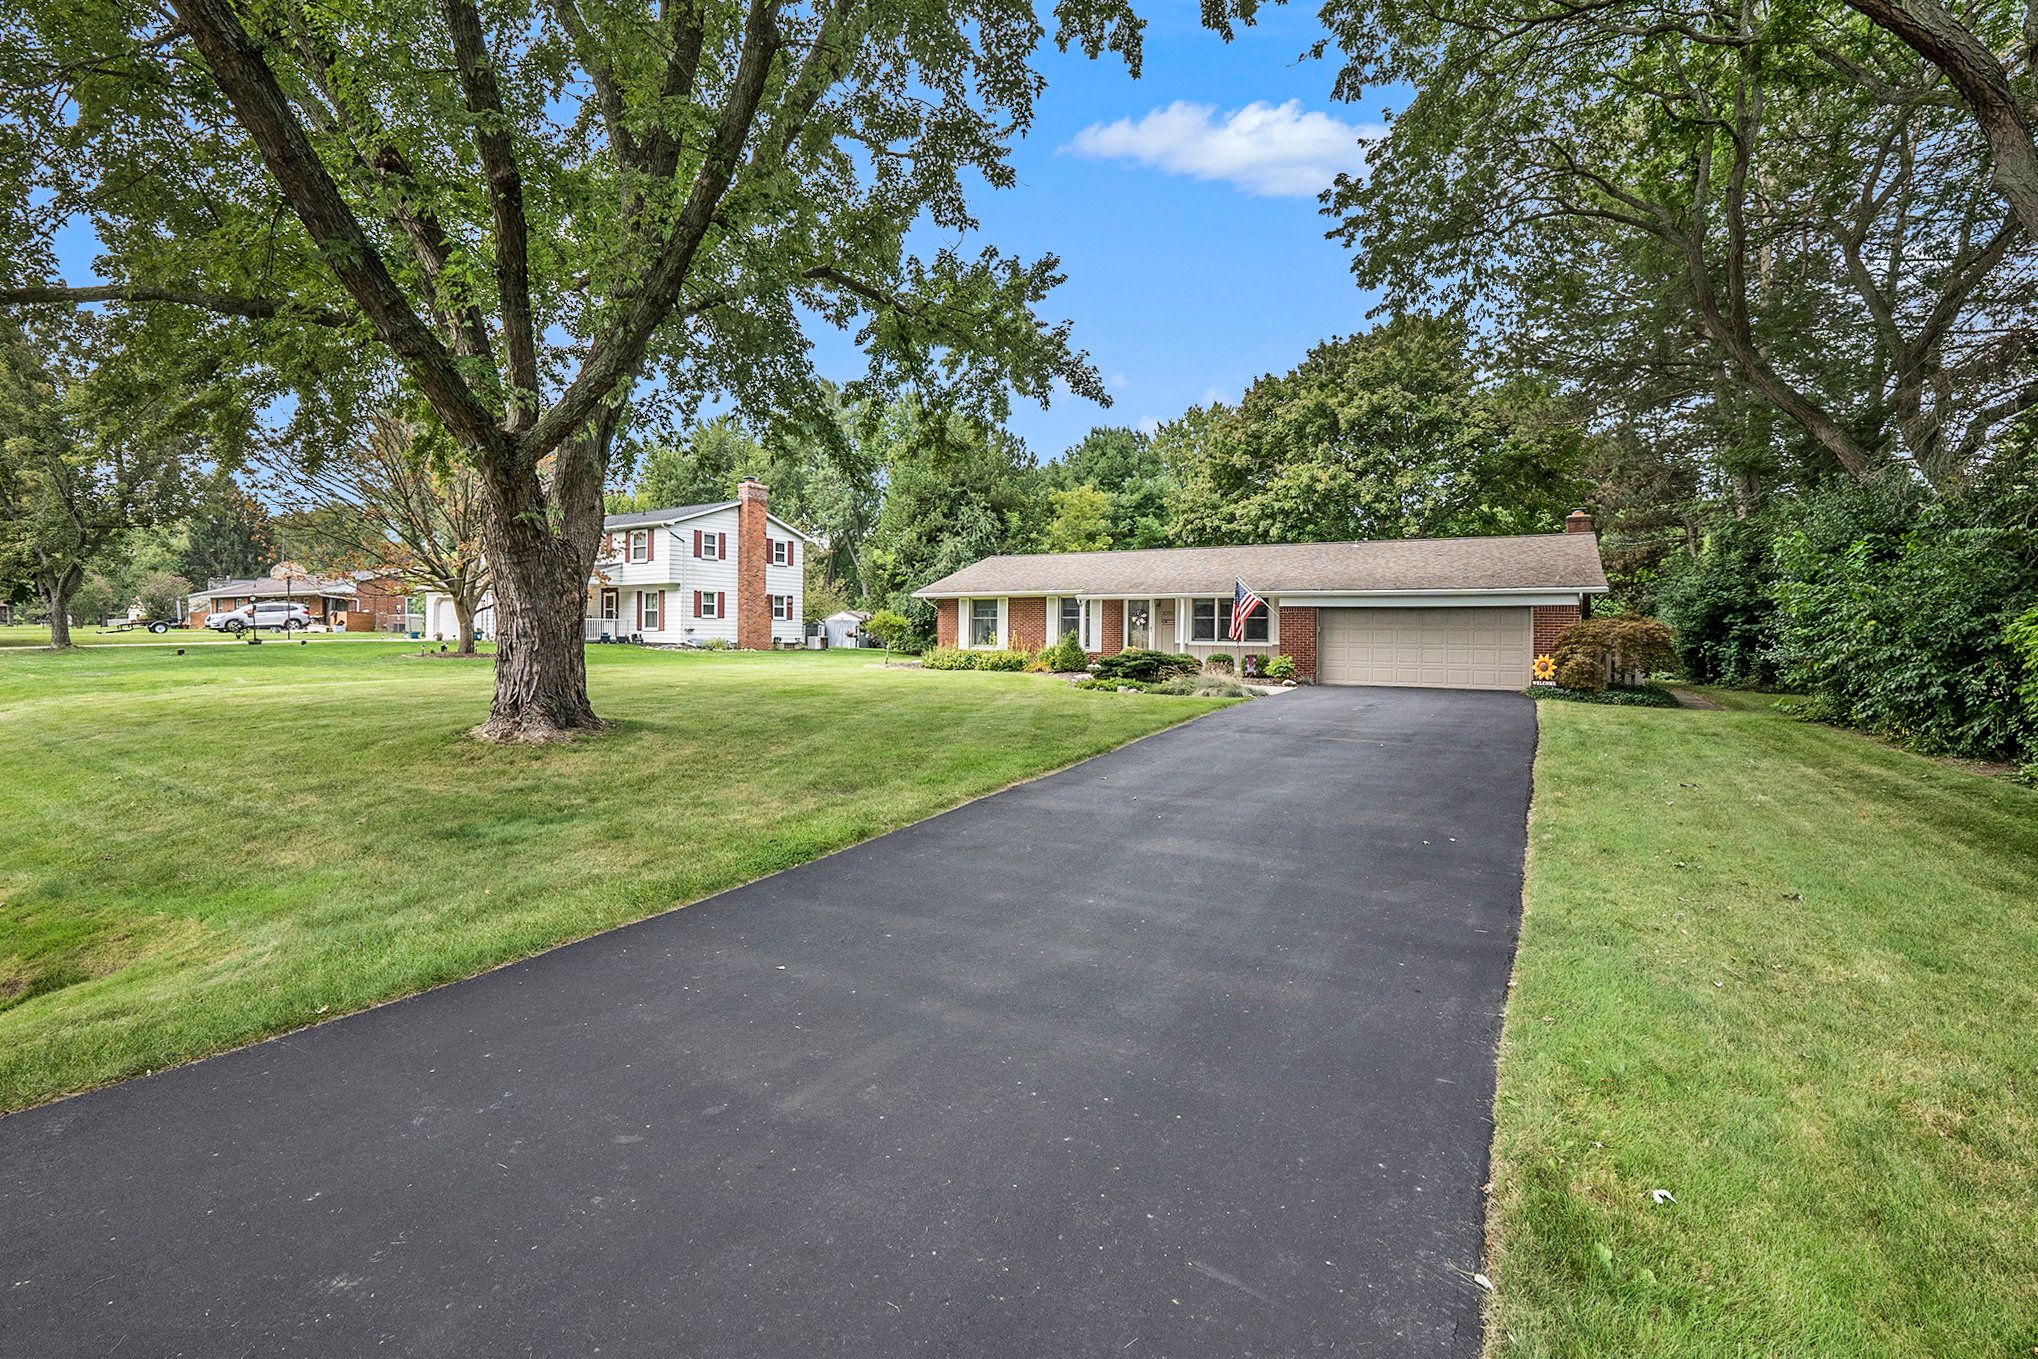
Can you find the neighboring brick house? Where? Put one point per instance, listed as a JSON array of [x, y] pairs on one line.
[[328, 599], [730, 571], [1456, 613]]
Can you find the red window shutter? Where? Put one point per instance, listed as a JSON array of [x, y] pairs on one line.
[[722, 546], [791, 547], [696, 603], [697, 542], [720, 612], [661, 610], [640, 610], [650, 544]]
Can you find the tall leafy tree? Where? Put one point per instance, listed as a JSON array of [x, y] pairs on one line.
[[1130, 472], [955, 490], [94, 447], [698, 470], [529, 207], [1080, 521], [1388, 434], [227, 532], [1778, 197]]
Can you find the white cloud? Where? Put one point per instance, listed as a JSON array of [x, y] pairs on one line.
[[1273, 150], [1116, 382]]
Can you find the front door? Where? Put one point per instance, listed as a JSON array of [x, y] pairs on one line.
[[1138, 624], [1164, 623], [611, 608]]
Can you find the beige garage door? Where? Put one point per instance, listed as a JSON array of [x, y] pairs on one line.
[[1428, 648]]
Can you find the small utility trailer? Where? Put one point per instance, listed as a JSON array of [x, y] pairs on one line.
[[159, 626]]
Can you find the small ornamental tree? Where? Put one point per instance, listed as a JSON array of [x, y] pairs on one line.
[[1588, 652], [396, 503], [887, 626]]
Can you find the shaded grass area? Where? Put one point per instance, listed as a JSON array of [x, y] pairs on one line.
[[1786, 974], [202, 850]]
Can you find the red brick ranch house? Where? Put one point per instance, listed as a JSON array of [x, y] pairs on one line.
[[1450, 613]]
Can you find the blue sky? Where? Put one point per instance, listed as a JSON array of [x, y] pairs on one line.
[[1194, 264], [1182, 205]]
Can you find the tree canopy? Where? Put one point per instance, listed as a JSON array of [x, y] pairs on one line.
[[1388, 434], [1738, 211], [528, 209]]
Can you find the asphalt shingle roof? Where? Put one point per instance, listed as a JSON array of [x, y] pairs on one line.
[[1541, 561], [267, 587], [639, 518]]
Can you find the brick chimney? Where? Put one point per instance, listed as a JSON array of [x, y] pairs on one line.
[[1578, 521], [753, 552]]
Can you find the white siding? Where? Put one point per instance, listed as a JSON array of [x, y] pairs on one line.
[[786, 580]]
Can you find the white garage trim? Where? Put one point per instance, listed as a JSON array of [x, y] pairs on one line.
[[1438, 646], [1426, 599]]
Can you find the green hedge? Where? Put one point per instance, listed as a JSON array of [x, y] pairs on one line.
[[954, 658], [1623, 695]]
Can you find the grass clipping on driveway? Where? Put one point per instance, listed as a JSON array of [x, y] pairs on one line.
[[203, 850], [1789, 976]]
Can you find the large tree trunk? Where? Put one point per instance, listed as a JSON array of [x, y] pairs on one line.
[[539, 557], [540, 658], [57, 592], [463, 622]]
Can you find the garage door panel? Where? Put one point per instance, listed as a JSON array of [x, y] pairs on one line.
[[1478, 648]]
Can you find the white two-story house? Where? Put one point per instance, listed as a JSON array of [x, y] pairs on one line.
[[726, 572]]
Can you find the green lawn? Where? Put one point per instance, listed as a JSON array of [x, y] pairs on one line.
[[88, 634], [1789, 975], [204, 849]]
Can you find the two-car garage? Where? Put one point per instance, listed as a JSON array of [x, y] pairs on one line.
[[1437, 648]]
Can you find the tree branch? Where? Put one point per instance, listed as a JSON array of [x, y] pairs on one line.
[[252, 308], [616, 355], [506, 204], [258, 102], [1975, 72]]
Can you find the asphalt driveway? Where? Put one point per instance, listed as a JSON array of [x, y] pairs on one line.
[[1187, 1050]]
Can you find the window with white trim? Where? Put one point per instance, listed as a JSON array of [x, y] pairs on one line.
[[1070, 618], [640, 545], [780, 551], [653, 599], [983, 622], [782, 608], [1210, 620], [711, 604], [711, 547]]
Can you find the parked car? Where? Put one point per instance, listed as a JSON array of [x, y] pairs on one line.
[[272, 614]]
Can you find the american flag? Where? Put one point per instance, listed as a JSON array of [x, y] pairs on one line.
[[1243, 602]]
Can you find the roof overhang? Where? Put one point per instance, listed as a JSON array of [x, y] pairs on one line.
[[1428, 599], [1320, 599], [702, 513]]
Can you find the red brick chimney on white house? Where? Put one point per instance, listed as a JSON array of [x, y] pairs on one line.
[[753, 552], [1578, 521]]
